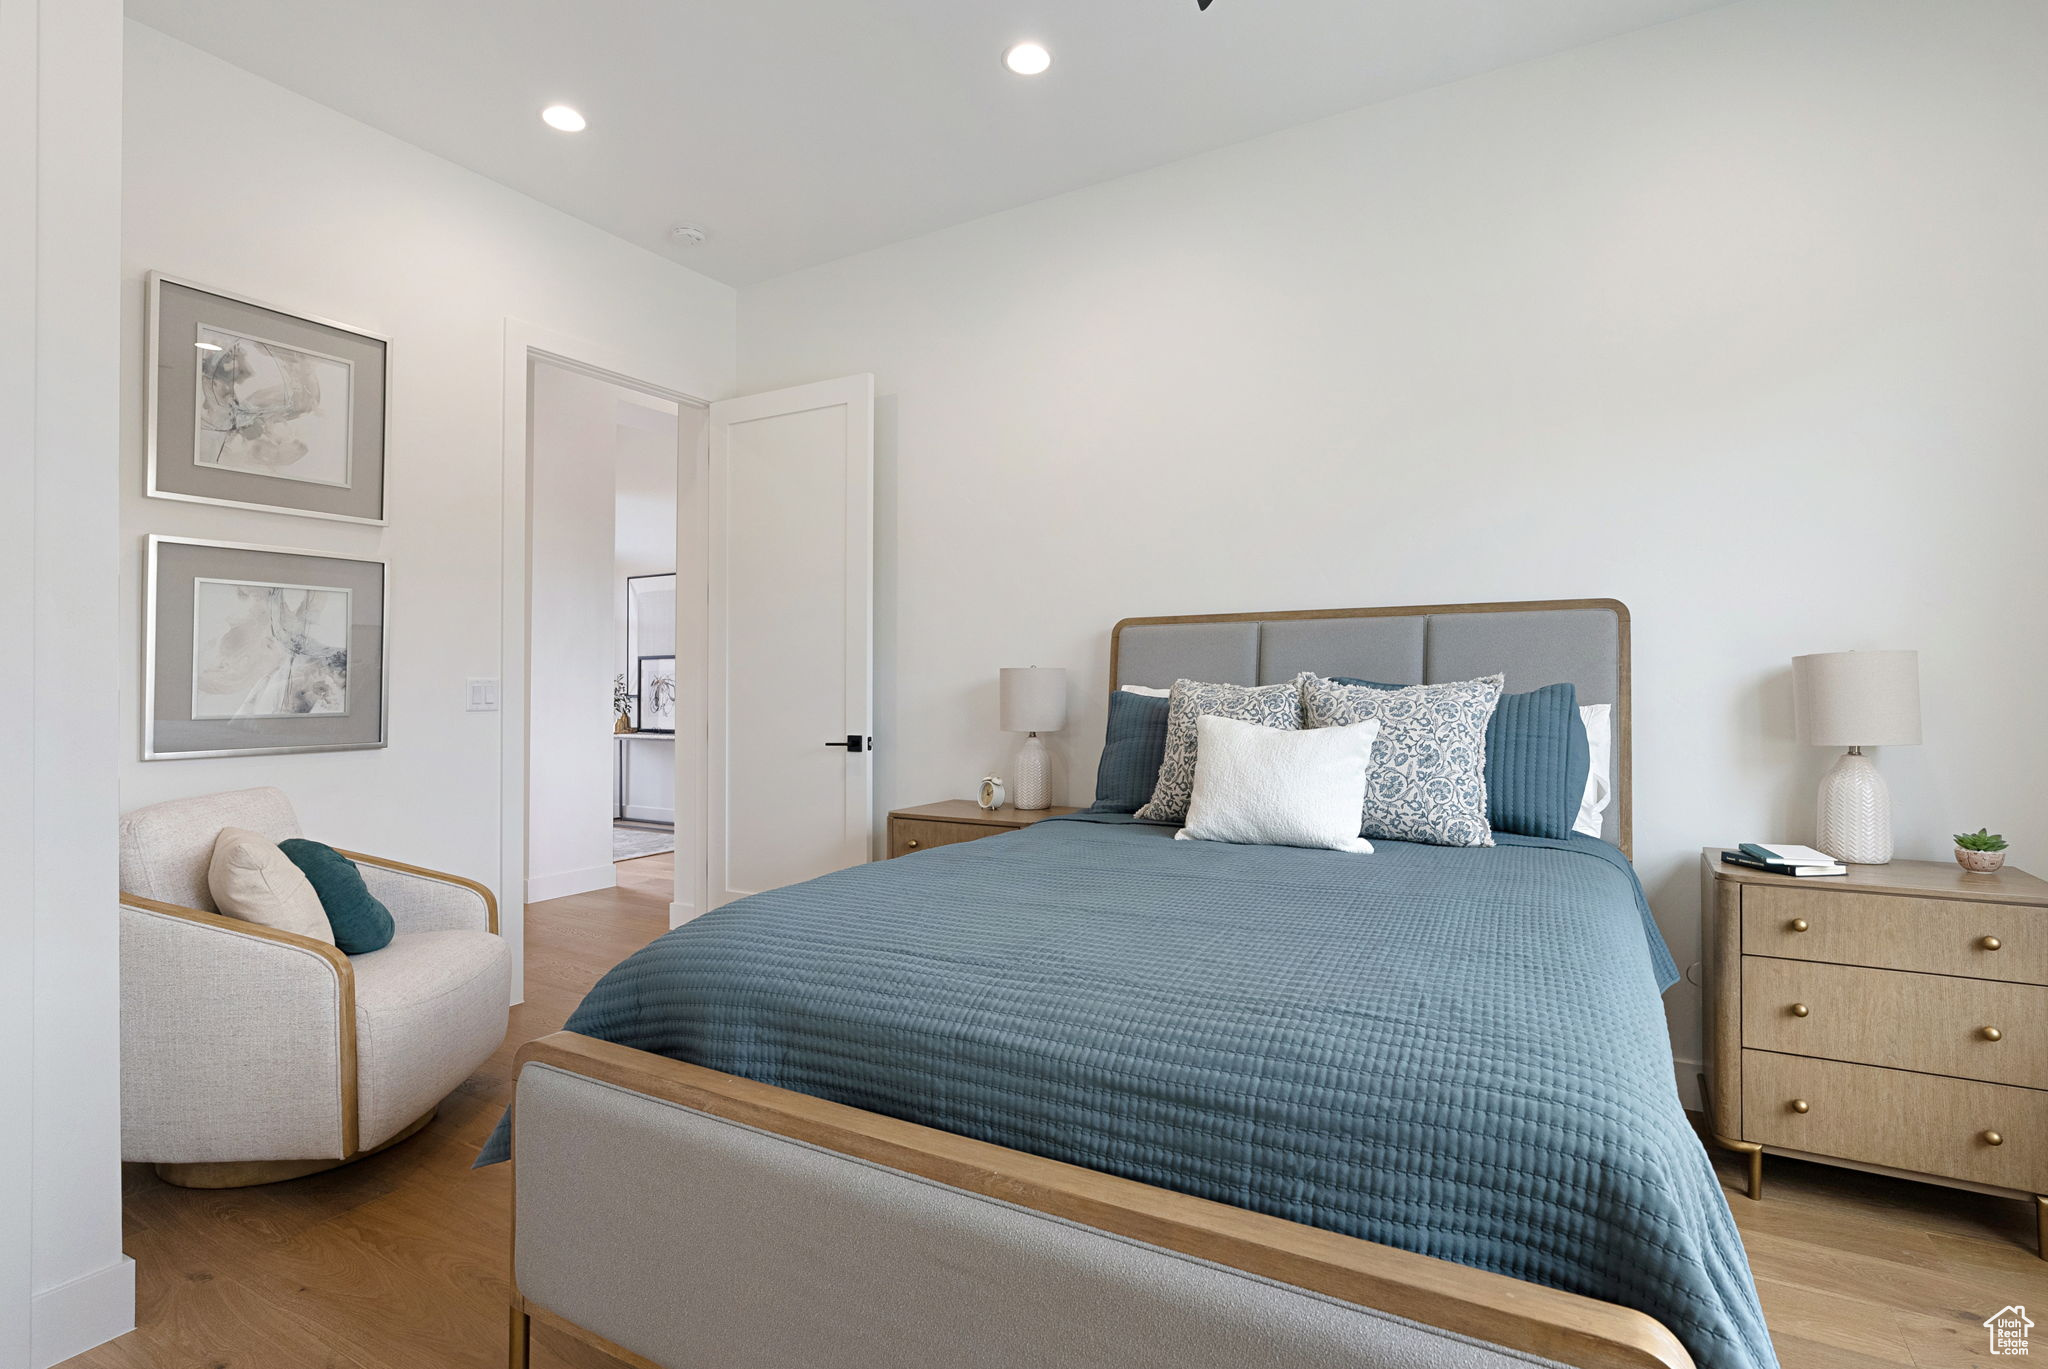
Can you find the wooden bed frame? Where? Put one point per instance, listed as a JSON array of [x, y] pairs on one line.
[[1471, 1302], [1490, 1308]]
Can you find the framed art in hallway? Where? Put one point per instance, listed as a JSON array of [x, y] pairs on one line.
[[253, 406], [657, 685], [254, 650], [650, 615]]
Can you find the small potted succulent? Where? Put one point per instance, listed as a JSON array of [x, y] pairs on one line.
[[1982, 850], [622, 704]]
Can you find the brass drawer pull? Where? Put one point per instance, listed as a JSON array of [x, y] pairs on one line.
[[1992, 1138], [1800, 1010], [1800, 924], [1991, 943], [1800, 1105], [1992, 1034], [912, 843]]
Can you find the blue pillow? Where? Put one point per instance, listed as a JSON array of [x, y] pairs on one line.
[[1132, 752], [360, 920], [1537, 758], [1536, 762]]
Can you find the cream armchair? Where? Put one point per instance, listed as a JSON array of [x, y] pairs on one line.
[[250, 1055]]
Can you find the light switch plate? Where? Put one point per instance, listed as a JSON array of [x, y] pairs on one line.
[[483, 696]]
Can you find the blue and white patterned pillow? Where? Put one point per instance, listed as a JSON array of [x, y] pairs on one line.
[[1267, 705], [1428, 777]]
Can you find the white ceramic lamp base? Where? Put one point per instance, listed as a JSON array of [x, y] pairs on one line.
[[1856, 812], [1033, 789]]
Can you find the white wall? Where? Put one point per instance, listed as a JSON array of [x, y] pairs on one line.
[[1742, 319], [64, 1283], [287, 201]]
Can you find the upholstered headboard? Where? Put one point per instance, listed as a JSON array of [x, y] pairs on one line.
[[1583, 642]]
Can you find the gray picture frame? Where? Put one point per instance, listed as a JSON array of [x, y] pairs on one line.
[[173, 567], [172, 465]]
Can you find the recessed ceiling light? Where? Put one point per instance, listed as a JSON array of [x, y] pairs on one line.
[[1027, 59], [563, 117]]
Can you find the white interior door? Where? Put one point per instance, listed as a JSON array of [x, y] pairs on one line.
[[792, 635]]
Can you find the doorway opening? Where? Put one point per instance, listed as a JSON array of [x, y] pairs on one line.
[[770, 639], [606, 459]]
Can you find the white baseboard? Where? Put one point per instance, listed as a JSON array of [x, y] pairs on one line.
[[1689, 1084], [540, 888], [72, 1318], [639, 813]]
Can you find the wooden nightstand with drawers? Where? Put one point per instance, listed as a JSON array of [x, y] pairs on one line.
[[1893, 1019], [955, 821]]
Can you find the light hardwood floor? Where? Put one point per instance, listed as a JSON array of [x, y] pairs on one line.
[[398, 1262]]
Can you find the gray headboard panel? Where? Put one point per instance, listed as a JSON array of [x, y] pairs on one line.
[[1582, 642]]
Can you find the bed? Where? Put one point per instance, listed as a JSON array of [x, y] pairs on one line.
[[1083, 1095]]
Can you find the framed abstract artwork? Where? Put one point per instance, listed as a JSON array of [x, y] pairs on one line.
[[657, 690], [252, 650], [254, 407]]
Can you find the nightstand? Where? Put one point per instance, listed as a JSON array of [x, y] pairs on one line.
[[1892, 1019], [955, 821]]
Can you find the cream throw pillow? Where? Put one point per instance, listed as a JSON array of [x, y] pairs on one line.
[[254, 881], [1269, 786]]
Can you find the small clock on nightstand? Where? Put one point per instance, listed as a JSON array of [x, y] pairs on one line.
[[955, 821]]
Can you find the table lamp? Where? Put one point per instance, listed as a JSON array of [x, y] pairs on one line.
[[1857, 699], [1032, 700]]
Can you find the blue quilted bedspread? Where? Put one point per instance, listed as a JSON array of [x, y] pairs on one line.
[[1457, 1051]]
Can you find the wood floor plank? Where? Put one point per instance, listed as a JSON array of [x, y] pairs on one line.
[[400, 1261], [1997, 1260], [1845, 1324], [1952, 1343], [197, 1305], [1889, 1288]]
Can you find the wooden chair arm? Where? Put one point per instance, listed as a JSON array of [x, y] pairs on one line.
[[439, 876]]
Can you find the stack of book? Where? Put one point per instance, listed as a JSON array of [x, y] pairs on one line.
[[1782, 859]]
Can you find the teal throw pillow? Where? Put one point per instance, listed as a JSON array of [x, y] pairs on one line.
[[360, 922]]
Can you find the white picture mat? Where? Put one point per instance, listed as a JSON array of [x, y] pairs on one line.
[[212, 615], [327, 433], [656, 717]]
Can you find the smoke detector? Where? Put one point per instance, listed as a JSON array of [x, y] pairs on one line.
[[686, 235]]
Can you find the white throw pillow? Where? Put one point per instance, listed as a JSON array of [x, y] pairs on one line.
[[1600, 746], [1266, 786], [1148, 692], [254, 881]]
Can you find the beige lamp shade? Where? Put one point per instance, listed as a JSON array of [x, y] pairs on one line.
[[1033, 699], [1857, 698]]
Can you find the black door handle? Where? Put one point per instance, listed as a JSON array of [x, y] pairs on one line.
[[855, 745]]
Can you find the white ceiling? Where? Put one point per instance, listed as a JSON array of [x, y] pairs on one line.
[[797, 131]]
